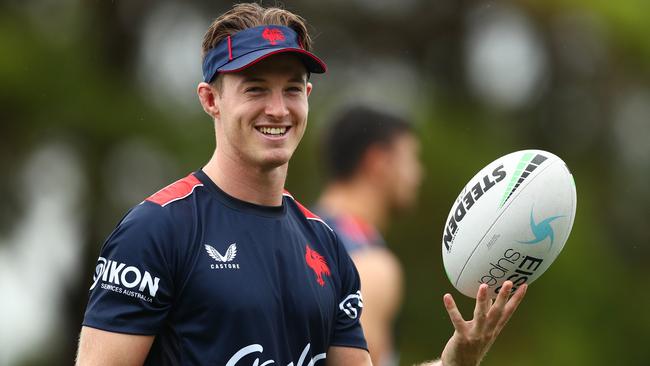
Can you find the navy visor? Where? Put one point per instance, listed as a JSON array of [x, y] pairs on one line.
[[245, 48]]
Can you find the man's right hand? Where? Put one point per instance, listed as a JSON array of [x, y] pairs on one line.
[[472, 339]]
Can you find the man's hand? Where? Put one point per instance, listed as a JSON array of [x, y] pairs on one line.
[[472, 339]]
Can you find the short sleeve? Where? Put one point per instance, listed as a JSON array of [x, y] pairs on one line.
[[132, 285], [348, 331]]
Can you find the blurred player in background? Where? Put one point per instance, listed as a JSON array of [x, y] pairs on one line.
[[374, 172], [224, 267]]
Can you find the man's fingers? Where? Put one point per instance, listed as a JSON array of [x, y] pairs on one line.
[[511, 306], [482, 307], [494, 315], [455, 316]]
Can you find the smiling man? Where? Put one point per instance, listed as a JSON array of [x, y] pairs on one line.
[[224, 267]]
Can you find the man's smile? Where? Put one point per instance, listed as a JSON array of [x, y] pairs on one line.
[[273, 131]]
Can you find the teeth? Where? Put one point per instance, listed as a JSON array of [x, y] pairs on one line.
[[273, 130]]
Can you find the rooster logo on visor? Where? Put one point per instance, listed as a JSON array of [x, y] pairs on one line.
[[272, 35]]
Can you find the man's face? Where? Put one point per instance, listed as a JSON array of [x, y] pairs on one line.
[[405, 174], [263, 112]]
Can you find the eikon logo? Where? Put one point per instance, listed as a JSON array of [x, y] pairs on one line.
[[120, 274], [541, 230]]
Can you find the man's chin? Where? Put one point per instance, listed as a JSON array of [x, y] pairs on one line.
[[274, 162]]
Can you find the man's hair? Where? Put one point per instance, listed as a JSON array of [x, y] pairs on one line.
[[352, 133], [250, 15]]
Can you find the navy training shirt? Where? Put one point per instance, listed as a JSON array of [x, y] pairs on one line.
[[220, 281]]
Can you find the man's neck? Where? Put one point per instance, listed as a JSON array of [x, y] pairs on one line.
[[359, 200], [250, 184]]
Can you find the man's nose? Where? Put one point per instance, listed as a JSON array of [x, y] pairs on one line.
[[276, 106]]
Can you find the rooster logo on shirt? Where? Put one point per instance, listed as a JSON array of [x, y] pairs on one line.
[[317, 263]]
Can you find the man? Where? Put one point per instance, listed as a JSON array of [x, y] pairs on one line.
[[223, 267], [374, 171]]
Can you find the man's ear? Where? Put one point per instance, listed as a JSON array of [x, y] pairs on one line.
[[375, 161], [309, 88], [208, 98]]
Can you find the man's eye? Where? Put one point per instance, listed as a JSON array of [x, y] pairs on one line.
[[295, 89], [254, 89]]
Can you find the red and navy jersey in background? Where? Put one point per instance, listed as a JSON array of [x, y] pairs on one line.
[[354, 233], [220, 281]]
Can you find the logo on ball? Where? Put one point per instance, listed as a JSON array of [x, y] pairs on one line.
[[524, 168], [542, 230]]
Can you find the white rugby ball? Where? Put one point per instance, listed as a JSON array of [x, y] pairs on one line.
[[510, 222]]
